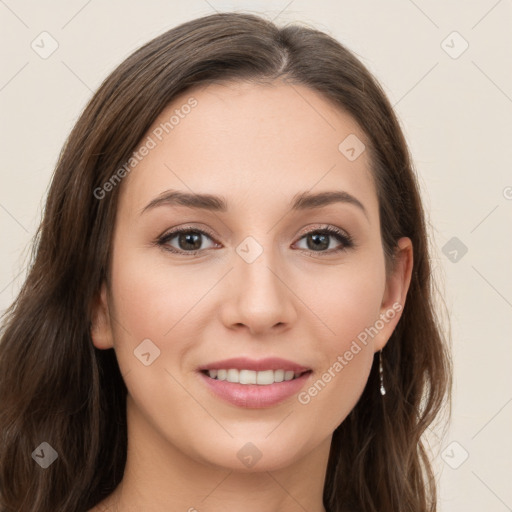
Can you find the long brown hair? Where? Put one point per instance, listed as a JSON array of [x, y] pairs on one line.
[[56, 387]]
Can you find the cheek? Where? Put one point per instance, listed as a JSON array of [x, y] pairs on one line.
[[154, 300], [154, 303], [336, 388], [346, 300], [348, 304]]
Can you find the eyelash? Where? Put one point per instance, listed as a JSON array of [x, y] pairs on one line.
[[345, 239]]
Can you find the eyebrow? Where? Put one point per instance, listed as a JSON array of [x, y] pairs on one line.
[[301, 201]]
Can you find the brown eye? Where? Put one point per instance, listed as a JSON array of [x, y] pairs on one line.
[[187, 240], [320, 239]]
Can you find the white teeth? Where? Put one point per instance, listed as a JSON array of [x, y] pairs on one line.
[[279, 376], [232, 375], [263, 378], [247, 377]]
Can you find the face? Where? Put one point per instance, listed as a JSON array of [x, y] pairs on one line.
[[249, 285]]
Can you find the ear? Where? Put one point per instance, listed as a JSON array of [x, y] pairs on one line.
[[397, 285], [101, 330]]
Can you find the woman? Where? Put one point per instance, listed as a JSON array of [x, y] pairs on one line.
[[231, 292]]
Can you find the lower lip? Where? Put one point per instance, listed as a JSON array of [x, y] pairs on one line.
[[255, 396]]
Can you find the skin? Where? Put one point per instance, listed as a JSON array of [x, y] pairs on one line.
[[257, 146]]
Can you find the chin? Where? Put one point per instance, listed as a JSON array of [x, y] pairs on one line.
[[256, 455]]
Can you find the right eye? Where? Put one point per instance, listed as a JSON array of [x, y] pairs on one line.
[[188, 238]]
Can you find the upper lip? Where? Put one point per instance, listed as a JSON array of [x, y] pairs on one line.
[[244, 363]]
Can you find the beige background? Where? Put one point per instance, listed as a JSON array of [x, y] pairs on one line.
[[456, 113]]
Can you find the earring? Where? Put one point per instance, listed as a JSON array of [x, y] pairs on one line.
[[381, 373]]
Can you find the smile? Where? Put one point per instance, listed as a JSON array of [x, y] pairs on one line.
[[261, 378], [254, 384]]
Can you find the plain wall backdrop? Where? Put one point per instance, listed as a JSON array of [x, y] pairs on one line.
[[447, 69]]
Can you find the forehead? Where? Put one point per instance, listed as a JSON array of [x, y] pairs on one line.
[[244, 141]]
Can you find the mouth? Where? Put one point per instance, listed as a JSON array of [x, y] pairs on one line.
[[254, 384], [247, 377]]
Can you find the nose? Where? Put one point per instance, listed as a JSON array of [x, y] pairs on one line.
[[259, 298]]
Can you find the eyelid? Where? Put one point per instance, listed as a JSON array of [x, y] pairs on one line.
[[187, 227], [321, 227]]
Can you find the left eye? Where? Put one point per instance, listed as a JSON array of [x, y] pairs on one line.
[[318, 239], [189, 240]]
